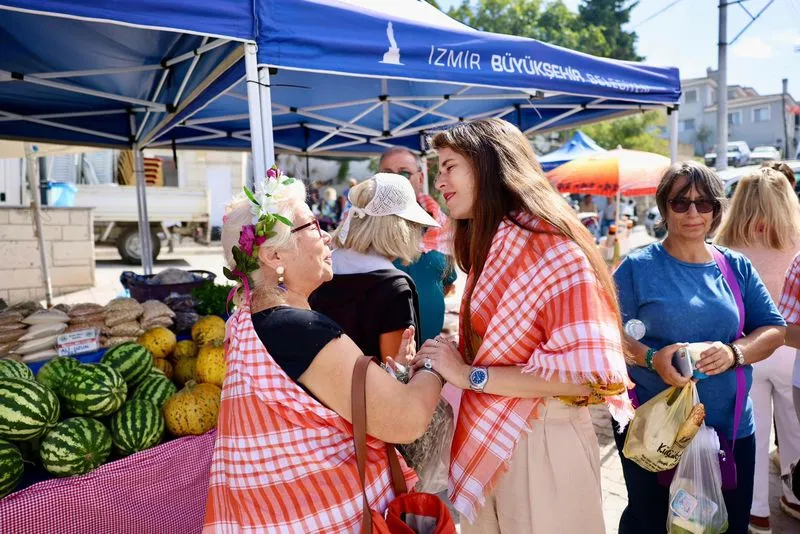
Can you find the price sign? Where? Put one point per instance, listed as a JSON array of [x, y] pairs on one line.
[[78, 342]]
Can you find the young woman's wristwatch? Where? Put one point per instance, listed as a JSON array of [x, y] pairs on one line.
[[478, 377]]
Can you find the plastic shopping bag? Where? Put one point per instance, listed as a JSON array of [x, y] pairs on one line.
[[696, 505], [663, 427]]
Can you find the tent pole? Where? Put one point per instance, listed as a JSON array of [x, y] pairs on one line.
[[32, 167], [253, 107], [426, 188], [673, 134], [265, 97], [141, 203], [618, 216]]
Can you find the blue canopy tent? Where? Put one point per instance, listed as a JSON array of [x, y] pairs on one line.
[[107, 74], [406, 70], [580, 145], [330, 77]]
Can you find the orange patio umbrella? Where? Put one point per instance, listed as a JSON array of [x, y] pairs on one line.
[[619, 172]]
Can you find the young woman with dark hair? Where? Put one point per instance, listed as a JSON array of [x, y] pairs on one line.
[[539, 341]]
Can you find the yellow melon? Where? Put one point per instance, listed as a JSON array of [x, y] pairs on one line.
[[185, 349], [193, 410], [164, 366], [211, 365], [159, 341], [209, 329], [185, 370]]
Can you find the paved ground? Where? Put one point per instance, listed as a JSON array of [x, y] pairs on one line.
[[109, 267]]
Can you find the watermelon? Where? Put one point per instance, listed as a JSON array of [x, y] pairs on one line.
[[11, 467], [156, 388], [93, 389], [131, 360], [27, 409], [52, 373], [75, 446], [15, 369], [137, 426]]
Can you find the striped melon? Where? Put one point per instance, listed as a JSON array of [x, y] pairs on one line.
[[27, 409], [75, 446], [11, 467], [93, 389], [155, 388], [15, 369], [137, 426], [53, 373], [131, 360]]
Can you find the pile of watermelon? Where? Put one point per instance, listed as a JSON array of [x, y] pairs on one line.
[[73, 417]]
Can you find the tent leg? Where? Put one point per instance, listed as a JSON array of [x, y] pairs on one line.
[[673, 135], [141, 203], [32, 170], [254, 110], [265, 97], [426, 188]]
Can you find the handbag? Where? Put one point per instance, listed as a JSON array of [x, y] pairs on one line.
[[408, 513], [727, 460]]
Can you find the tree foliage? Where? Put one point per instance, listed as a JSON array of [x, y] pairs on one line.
[[637, 132], [595, 29]]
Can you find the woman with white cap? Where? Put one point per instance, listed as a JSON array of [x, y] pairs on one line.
[[372, 300]]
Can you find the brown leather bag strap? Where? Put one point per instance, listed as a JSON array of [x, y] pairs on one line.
[[358, 409], [398, 480]]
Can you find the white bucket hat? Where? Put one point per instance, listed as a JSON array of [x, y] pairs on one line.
[[394, 195]]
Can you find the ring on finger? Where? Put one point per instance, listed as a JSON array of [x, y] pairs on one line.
[[427, 363]]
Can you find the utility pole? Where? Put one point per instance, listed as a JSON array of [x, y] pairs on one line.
[[784, 111], [722, 88]]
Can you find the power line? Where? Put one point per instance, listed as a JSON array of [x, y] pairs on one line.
[[657, 13]]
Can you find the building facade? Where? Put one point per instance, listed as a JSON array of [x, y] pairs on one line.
[[756, 119]]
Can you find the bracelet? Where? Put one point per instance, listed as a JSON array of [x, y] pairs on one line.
[[435, 373], [648, 359], [738, 355]]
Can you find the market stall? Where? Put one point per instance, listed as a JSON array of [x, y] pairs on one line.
[[107, 411]]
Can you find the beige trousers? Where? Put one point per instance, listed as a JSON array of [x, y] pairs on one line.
[[553, 483]]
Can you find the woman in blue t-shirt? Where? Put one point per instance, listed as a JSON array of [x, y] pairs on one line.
[[677, 291]]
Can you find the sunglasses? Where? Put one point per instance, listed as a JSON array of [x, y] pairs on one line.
[[405, 174], [312, 222], [682, 205]]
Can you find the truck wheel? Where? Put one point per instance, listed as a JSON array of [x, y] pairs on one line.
[[130, 247]]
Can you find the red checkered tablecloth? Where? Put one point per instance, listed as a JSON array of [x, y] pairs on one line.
[[160, 491]]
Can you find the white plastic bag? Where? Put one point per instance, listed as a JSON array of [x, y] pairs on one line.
[[696, 504]]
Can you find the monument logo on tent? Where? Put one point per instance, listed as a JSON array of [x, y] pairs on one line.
[[392, 56]]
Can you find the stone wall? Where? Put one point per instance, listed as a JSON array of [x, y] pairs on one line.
[[69, 242]]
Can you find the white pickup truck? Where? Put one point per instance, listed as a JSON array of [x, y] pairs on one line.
[[172, 212]]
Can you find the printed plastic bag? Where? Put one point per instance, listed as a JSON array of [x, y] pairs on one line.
[[663, 427], [429, 456], [696, 504]]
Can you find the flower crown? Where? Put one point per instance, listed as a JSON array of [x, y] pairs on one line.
[[265, 216]]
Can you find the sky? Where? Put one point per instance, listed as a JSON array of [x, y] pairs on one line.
[[685, 36]]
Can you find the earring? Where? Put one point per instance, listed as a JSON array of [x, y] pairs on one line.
[[280, 270]]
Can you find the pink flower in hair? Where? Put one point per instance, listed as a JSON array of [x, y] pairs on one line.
[[247, 239]]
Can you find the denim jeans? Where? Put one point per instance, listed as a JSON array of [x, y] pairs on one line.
[[648, 501]]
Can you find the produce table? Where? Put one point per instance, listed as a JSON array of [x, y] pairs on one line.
[[157, 491]]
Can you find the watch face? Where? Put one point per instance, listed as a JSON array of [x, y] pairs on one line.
[[477, 377]]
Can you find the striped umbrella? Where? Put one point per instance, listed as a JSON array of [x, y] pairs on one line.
[[619, 172]]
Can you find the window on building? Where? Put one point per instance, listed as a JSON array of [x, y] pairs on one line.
[[761, 114], [686, 125], [690, 96], [712, 97], [731, 94], [734, 118]]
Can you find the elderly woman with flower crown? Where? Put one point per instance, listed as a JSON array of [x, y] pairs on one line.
[[284, 459]]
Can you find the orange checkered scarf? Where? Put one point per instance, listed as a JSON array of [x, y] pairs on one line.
[[537, 305], [441, 238], [282, 461]]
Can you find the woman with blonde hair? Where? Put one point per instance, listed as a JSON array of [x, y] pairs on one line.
[[539, 340], [763, 223], [284, 459], [372, 300]]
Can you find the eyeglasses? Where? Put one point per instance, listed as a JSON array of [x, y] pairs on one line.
[[703, 205], [312, 222]]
